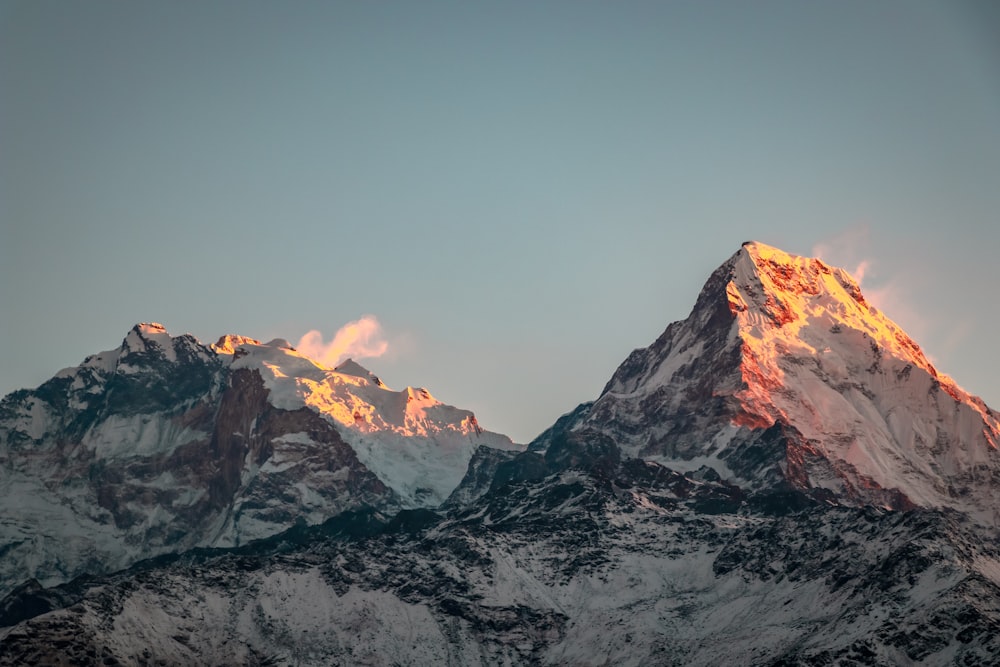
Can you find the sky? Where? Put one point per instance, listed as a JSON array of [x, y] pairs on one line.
[[504, 198]]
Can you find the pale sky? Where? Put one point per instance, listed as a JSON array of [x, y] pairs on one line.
[[520, 192]]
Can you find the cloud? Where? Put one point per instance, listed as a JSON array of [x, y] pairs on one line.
[[848, 249], [851, 249], [359, 339]]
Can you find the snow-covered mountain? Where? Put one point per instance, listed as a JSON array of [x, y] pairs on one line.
[[165, 444], [784, 374], [782, 478]]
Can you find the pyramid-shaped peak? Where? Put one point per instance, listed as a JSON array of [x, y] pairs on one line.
[[785, 374]]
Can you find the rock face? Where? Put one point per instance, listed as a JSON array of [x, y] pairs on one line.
[[780, 479], [165, 444]]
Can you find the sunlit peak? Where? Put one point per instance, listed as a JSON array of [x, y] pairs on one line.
[[787, 305], [229, 343]]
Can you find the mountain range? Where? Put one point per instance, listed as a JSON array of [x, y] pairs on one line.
[[781, 478]]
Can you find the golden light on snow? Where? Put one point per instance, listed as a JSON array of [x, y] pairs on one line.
[[786, 307]]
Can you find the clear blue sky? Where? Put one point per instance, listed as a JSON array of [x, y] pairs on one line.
[[520, 192]]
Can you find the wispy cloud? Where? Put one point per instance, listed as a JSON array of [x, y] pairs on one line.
[[849, 249], [359, 339]]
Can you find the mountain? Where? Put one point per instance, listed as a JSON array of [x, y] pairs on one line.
[[784, 375], [165, 444], [782, 478]]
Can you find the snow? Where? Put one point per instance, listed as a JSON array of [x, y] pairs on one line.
[[812, 353], [139, 435], [284, 457], [695, 463], [883, 425], [38, 419], [351, 367]]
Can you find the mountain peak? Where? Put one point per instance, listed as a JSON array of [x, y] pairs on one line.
[[148, 338], [148, 328], [784, 373], [805, 299], [229, 343]]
